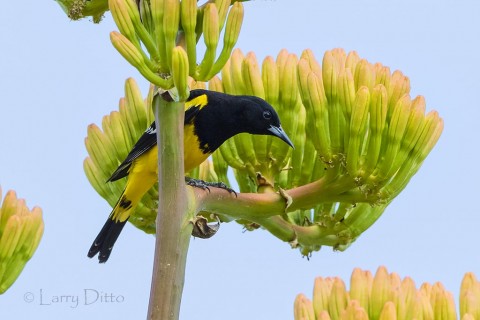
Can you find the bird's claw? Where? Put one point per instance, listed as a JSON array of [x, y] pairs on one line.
[[204, 185]]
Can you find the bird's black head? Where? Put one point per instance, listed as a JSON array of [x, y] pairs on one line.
[[259, 117], [226, 115]]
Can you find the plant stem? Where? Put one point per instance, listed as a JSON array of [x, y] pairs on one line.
[[173, 229]]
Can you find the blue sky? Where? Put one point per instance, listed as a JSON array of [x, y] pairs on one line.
[[57, 76]]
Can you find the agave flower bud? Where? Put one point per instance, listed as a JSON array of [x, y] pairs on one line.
[[232, 31], [180, 72], [338, 298], [470, 296], [270, 80], [211, 35], [358, 126], [254, 86], [146, 16], [78, 9], [442, 302], [220, 166], [360, 284], [157, 11], [289, 106], [188, 18], [316, 105], [222, 6], [237, 83], [171, 20], [388, 312], [20, 234], [303, 309], [381, 291], [133, 55], [141, 18], [321, 294], [123, 20], [378, 115], [411, 299], [396, 130], [353, 311], [207, 171]]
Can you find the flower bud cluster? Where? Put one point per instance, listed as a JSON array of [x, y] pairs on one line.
[[386, 297], [159, 38], [20, 234]]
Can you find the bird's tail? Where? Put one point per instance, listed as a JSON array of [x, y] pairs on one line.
[[105, 240]]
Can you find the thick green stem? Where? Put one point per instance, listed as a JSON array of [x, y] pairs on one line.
[[253, 206], [173, 227]]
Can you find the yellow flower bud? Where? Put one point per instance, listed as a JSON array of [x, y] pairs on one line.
[[180, 72], [321, 294], [211, 34], [135, 58], [303, 309], [188, 18], [171, 22], [338, 298], [388, 312], [380, 293], [360, 284], [358, 127], [121, 16]]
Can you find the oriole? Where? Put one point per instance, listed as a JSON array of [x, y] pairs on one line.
[[210, 119]]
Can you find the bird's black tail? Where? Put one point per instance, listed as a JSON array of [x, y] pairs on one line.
[[105, 240]]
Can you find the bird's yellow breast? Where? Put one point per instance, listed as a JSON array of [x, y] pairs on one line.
[[193, 156]]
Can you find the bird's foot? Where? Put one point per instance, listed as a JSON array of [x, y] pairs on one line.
[[204, 185]]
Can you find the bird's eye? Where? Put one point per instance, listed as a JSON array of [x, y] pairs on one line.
[[267, 115]]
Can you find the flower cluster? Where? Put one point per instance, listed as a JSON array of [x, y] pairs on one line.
[[20, 234], [357, 133], [386, 297]]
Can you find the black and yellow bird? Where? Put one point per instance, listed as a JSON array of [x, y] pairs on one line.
[[210, 119]]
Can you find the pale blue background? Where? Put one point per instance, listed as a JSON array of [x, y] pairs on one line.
[[58, 76]]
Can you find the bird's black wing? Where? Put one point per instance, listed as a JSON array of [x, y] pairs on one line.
[[145, 143], [197, 100]]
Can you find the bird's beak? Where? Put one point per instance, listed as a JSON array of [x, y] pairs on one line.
[[278, 132]]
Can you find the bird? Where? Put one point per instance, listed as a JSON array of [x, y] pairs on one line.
[[211, 118]]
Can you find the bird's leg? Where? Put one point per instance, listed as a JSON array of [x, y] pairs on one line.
[[204, 185]]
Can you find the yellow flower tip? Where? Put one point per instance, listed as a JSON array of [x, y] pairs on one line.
[[389, 312], [122, 19], [211, 28], [188, 15], [354, 311], [323, 316], [252, 76], [360, 286], [234, 24], [180, 71], [20, 232], [338, 298], [303, 308]]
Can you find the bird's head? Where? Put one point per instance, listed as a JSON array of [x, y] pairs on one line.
[[259, 117]]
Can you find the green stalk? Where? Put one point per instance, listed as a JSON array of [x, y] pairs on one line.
[[173, 226]]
